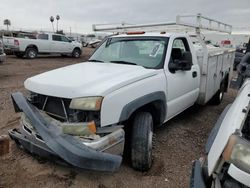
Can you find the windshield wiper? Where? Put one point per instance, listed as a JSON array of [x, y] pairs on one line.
[[94, 60], [124, 62]]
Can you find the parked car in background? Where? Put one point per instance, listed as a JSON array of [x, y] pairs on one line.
[[86, 39], [46, 43], [237, 59], [94, 43], [2, 54]]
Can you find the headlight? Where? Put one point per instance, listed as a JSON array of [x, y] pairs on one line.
[[86, 103], [237, 152]]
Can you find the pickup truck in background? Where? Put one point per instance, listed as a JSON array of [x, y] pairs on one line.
[[133, 82], [46, 43], [8, 44]]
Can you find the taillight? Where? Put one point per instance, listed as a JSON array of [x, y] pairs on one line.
[[16, 42]]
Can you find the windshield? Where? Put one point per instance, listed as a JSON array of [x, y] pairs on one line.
[[148, 52]]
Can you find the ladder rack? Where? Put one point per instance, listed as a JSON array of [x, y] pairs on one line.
[[182, 24]]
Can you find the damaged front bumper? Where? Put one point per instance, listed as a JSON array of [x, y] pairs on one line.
[[197, 179], [42, 137]]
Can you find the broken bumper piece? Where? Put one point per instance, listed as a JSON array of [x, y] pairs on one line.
[[48, 141]]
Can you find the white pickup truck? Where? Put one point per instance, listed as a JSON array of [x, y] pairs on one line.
[[46, 43], [134, 82]]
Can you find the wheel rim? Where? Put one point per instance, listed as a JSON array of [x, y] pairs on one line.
[[77, 54], [32, 54]]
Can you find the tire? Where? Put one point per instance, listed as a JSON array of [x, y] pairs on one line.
[[218, 97], [76, 53], [19, 55], [31, 53], [141, 141]]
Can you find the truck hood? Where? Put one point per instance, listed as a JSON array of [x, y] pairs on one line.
[[86, 79], [233, 120]]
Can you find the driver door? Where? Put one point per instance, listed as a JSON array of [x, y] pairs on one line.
[[182, 85]]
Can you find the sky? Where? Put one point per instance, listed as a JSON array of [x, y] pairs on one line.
[[79, 15]]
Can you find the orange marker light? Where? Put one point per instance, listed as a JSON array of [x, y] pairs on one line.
[[136, 33], [92, 127]]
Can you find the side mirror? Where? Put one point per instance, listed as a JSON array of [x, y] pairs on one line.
[[183, 65], [183, 62]]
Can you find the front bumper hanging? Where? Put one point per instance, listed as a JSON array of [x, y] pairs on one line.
[[55, 144]]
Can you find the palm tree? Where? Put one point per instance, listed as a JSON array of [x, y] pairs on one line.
[[7, 23], [52, 20], [57, 18]]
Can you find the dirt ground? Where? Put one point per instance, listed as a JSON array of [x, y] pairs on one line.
[[176, 144]]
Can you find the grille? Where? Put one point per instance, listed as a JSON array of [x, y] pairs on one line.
[[57, 108]]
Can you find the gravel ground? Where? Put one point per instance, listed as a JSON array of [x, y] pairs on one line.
[[176, 144]]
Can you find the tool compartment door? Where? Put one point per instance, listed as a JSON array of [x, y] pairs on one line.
[[211, 76], [219, 73]]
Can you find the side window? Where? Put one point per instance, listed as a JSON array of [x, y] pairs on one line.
[[64, 39], [180, 49], [56, 38], [43, 37]]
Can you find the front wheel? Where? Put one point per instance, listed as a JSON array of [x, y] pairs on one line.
[[141, 141], [76, 53]]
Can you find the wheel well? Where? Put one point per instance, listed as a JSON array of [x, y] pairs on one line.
[[32, 46], [156, 108], [77, 48]]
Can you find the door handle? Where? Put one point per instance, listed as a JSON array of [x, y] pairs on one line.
[[194, 74]]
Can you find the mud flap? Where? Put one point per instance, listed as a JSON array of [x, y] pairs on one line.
[[65, 146]]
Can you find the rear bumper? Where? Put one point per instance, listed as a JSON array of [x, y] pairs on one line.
[[48, 141], [196, 180], [3, 57]]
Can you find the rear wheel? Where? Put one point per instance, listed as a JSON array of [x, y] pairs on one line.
[[76, 53], [141, 141], [31, 53], [218, 97]]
